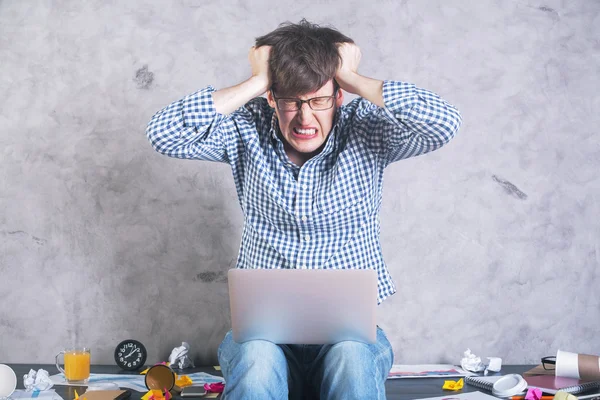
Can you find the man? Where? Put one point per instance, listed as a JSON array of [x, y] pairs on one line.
[[309, 175]]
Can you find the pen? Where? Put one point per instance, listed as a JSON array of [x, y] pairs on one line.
[[595, 396]]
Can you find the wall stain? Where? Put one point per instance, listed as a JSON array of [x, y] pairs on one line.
[[547, 9], [210, 276], [144, 78], [36, 239], [510, 188]]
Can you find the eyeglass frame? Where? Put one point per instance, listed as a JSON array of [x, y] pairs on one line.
[[550, 360], [307, 101]]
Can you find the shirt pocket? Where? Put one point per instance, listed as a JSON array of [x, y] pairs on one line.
[[347, 184]]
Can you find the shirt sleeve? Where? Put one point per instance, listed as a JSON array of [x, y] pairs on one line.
[[191, 128], [414, 121]]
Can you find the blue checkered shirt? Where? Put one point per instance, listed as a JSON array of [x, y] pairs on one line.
[[326, 213]]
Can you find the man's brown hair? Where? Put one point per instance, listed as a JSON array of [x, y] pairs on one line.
[[304, 56]]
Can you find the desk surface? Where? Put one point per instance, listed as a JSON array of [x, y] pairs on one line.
[[396, 389]]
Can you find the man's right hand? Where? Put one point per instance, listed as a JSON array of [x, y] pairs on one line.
[[259, 62], [229, 99]]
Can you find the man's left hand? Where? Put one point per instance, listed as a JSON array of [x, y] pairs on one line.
[[348, 69]]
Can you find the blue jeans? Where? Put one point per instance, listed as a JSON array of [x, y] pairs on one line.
[[259, 369]]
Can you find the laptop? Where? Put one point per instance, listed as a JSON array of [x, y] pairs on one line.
[[303, 306]]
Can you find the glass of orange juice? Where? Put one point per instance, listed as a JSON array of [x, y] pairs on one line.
[[77, 364]]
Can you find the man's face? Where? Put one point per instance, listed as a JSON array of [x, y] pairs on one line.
[[305, 130]]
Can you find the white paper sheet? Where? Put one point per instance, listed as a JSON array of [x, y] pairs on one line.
[[134, 382], [400, 371], [21, 394], [464, 396]]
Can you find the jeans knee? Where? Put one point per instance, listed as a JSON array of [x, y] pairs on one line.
[[349, 354], [258, 370]]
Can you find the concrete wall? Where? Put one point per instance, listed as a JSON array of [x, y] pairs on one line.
[[493, 241]]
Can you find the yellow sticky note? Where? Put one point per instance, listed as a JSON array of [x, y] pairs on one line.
[[211, 395], [183, 381], [452, 385], [153, 395], [217, 367], [144, 371]]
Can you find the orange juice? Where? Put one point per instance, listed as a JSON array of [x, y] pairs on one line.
[[77, 365]]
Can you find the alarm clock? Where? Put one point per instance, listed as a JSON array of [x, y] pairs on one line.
[[130, 355]]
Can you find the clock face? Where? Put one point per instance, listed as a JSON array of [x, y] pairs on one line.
[[130, 355]]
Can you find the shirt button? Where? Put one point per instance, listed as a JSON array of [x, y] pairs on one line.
[[304, 186], [304, 218], [307, 238]]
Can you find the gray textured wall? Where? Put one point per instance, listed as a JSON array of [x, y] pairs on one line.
[[493, 240]]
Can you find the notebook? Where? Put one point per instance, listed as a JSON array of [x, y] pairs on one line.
[[546, 383], [482, 382], [552, 384]]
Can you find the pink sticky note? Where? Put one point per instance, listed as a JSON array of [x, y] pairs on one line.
[[533, 394], [216, 387]]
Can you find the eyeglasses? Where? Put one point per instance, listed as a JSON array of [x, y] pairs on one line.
[[549, 363], [320, 103]]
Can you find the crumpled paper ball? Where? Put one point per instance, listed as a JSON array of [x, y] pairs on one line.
[[471, 362], [179, 357], [39, 380]]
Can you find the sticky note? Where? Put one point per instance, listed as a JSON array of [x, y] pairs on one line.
[[454, 385], [183, 381], [533, 394], [217, 367], [144, 371], [153, 395]]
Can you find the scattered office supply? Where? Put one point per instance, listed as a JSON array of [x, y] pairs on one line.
[[501, 386], [463, 396], [532, 394], [454, 385], [471, 362], [105, 395], [538, 370], [180, 358], [482, 382], [37, 380], [216, 387], [564, 396], [135, 382], [494, 365], [540, 397], [552, 384], [49, 394], [426, 371]]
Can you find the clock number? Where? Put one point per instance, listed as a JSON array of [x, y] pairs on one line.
[[121, 359]]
